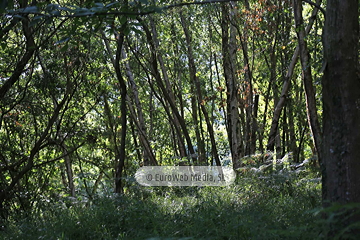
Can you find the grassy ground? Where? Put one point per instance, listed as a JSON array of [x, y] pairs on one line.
[[258, 206]]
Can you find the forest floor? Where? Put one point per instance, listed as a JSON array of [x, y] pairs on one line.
[[277, 205]]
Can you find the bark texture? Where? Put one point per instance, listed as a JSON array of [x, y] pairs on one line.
[[341, 104], [232, 85]]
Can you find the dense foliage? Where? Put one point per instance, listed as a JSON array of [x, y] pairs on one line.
[[90, 92]]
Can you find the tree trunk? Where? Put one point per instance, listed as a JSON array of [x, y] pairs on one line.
[[286, 86], [123, 111], [169, 90], [264, 120], [248, 88], [274, 132], [292, 135], [148, 155], [254, 127], [68, 165], [198, 93], [166, 91], [229, 63], [307, 78], [341, 104]]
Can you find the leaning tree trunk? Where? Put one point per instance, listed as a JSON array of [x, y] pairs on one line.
[[341, 104], [286, 86], [196, 82], [166, 91], [307, 78], [168, 87], [148, 155]]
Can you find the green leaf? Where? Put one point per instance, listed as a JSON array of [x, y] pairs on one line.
[[65, 9], [137, 30], [99, 5], [83, 12], [65, 39], [111, 4], [64, 48], [154, 9], [32, 9], [56, 13], [122, 19], [51, 7], [36, 20], [18, 16], [95, 9]]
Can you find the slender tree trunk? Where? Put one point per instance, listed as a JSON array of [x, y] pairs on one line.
[[68, 166], [120, 152], [221, 90], [195, 115], [292, 136], [229, 63], [169, 90], [166, 91], [285, 133], [307, 78], [67, 180], [286, 85], [254, 127], [137, 116], [263, 124], [341, 106], [273, 134], [123, 112], [148, 155], [141, 157], [198, 93], [175, 129], [248, 88], [195, 101]]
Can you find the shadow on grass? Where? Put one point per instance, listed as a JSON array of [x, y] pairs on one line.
[[255, 208]]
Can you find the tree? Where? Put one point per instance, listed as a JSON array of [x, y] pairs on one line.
[[286, 86], [232, 85], [307, 77], [341, 104]]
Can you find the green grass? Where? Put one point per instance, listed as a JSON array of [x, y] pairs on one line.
[[272, 206]]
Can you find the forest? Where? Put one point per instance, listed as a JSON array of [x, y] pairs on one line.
[[92, 91]]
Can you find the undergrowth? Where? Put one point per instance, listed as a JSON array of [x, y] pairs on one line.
[[277, 205]]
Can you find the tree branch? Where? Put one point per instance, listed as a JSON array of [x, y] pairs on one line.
[[118, 13], [316, 5]]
